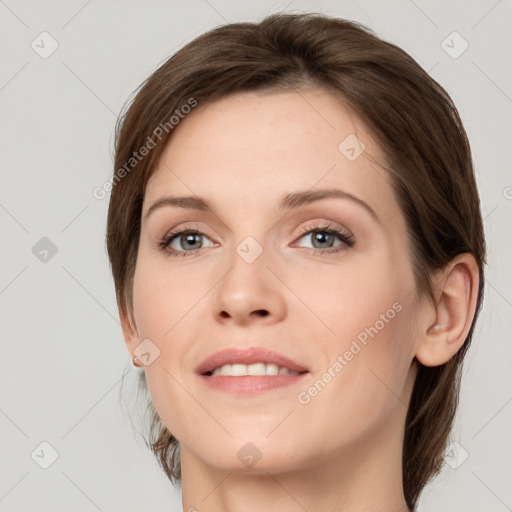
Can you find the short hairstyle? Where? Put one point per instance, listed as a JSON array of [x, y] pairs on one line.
[[410, 116]]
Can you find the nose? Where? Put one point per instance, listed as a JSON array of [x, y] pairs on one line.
[[249, 293]]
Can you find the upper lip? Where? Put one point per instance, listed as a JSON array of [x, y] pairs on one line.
[[247, 356]]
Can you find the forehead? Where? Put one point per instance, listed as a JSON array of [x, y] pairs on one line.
[[254, 146]]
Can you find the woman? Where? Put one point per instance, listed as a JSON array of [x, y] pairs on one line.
[[297, 248]]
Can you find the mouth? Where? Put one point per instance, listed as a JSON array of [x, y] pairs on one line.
[[249, 371], [238, 362]]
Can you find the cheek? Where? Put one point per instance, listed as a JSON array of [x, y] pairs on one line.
[[362, 384], [345, 302], [163, 307], [162, 297], [367, 342]]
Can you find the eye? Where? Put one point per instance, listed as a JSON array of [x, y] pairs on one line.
[[184, 242], [323, 238]]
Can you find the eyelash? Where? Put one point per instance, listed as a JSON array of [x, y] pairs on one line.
[[346, 238]]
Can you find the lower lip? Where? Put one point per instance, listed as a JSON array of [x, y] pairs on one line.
[[250, 384]]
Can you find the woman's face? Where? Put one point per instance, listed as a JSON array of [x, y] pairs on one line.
[[342, 306]]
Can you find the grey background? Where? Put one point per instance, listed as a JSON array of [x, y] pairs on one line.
[[62, 353]]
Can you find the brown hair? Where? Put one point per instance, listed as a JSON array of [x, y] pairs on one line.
[[411, 117]]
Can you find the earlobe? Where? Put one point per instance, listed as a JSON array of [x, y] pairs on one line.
[[456, 294]]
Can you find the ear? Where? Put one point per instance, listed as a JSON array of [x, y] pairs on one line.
[[130, 334], [448, 321]]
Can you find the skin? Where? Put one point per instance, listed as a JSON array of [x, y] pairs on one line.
[[342, 450]]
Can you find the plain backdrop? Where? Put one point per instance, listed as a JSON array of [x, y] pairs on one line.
[[66, 69]]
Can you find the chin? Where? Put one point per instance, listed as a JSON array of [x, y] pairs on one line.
[[249, 455]]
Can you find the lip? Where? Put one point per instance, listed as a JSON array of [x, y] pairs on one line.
[[250, 384], [249, 356]]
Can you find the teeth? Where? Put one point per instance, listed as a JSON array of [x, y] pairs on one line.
[[237, 370]]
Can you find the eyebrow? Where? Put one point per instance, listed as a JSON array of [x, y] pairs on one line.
[[288, 201]]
